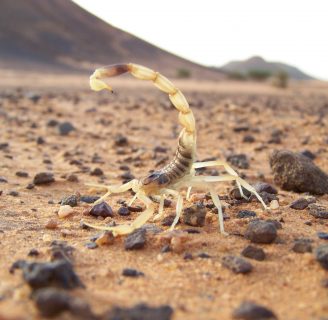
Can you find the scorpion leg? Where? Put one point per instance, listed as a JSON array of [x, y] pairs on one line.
[[226, 166], [217, 203], [160, 209]]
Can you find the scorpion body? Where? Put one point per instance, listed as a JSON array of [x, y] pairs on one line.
[[179, 174]]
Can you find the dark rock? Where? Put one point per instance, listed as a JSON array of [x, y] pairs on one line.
[[22, 174], [49, 274], [33, 96], [246, 214], [61, 251], [294, 172], [30, 186], [72, 178], [253, 252], [252, 311], [43, 178], [33, 253], [276, 223], [135, 240], [265, 187], [123, 211], [266, 197], [235, 193], [299, 204], [52, 123], [239, 160], [121, 141], [89, 199], [302, 245], [91, 245], [318, 211], [241, 128], [236, 264], [135, 208], [321, 254], [71, 200], [65, 128], [261, 232], [151, 228], [168, 220], [140, 312], [97, 172], [322, 235], [160, 149], [187, 256], [3, 180], [194, 215], [4, 145], [308, 154], [13, 193], [127, 176], [40, 140], [127, 272], [101, 209], [203, 255], [249, 138]]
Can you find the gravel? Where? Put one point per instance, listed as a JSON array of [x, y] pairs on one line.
[[246, 214], [261, 232]]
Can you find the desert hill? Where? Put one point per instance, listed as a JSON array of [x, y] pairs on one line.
[[59, 35], [258, 63]]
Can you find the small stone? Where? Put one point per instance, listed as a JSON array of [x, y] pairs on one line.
[[318, 211], [30, 186], [135, 208], [65, 211], [51, 224], [265, 187], [123, 211], [299, 204], [101, 210], [236, 264], [13, 193], [294, 172], [89, 199], [33, 253], [91, 245], [246, 214], [22, 174], [43, 178], [194, 215], [40, 140], [274, 204], [253, 252], [235, 193], [249, 138], [239, 160], [261, 232], [72, 178], [168, 220], [140, 312], [187, 256], [321, 255], [308, 154], [127, 176], [106, 238], [96, 172], [302, 245], [135, 240], [65, 128], [3, 180], [52, 123], [151, 228], [204, 255], [128, 272], [121, 141], [71, 200], [322, 235], [252, 311]]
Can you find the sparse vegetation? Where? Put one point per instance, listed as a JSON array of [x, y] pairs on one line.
[[183, 73], [259, 75], [280, 79], [235, 75]]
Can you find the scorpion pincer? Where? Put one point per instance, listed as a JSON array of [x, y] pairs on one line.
[[176, 176]]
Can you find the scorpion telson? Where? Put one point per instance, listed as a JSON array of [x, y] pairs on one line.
[[176, 176]]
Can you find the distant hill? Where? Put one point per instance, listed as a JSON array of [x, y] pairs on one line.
[[59, 35], [258, 63]]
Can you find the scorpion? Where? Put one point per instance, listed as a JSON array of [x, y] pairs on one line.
[[176, 176]]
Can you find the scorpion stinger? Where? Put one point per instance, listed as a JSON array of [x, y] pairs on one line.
[[180, 172]]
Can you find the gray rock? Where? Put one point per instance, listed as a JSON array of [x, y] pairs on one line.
[[295, 172], [253, 252], [321, 254], [71, 200], [318, 211], [299, 204], [246, 214], [239, 160], [252, 311], [236, 264], [261, 232], [302, 245], [101, 209], [43, 178], [65, 128], [194, 215], [265, 187], [135, 240]]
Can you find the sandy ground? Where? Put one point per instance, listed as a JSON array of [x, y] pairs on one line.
[[286, 282]]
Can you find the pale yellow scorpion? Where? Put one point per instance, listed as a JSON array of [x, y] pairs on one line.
[[180, 173]]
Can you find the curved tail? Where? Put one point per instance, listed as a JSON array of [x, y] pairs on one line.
[[186, 117]]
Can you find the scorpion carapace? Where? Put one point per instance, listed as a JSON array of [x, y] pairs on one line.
[[179, 174]]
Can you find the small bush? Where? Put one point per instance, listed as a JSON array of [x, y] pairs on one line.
[[183, 73], [235, 75], [259, 75], [280, 79]]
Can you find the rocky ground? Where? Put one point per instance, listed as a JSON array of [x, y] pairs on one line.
[[272, 265]]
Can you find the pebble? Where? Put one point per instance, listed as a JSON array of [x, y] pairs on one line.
[[121, 141], [274, 204], [239, 160], [252, 311], [249, 138], [168, 220], [61, 251], [246, 214], [236, 264], [322, 235], [265, 187], [140, 312], [194, 215], [308, 154], [101, 210], [106, 238], [22, 174], [72, 178], [135, 240], [261, 232], [30, 186], [13, 193], [253, 252], [65, 211], [33, 253], [51, 224], [91, 245], [65, 128], [128, 272], [318, 211], [294, 172], [43, 178], [71, 200], [97, 172], [38, 275], [89, 199], [299, 204], [235, 193], [321, 255], [3, 180], [123, 211], [302, 245]]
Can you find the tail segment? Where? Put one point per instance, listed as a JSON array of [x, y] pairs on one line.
[[186, 117]]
